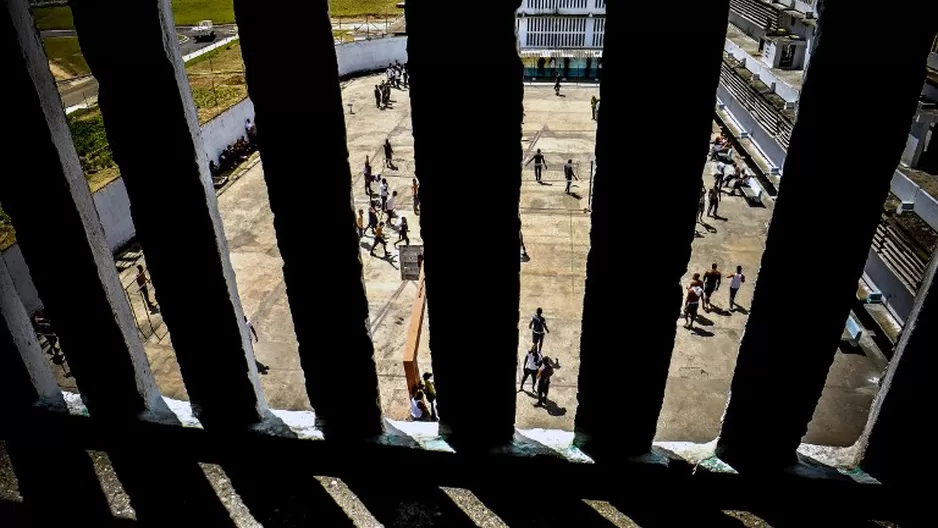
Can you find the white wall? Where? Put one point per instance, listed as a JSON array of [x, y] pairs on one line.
[[765, 142], [226, 128], [370, 55], [13, 258], [113, 207]]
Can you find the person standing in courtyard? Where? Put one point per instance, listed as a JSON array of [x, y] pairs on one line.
[[593, 102], [379, 239], [540, 163], [538, 326], [714, 200], [736, 281], [691, 304], [712, 280], [261, 368], [377, 97], [544, 374], [532, 362], [569, 175], [144, 289], [360, 223], [429, 390], [402, 232], [557, 86], [383, 191], [701, 205], [372, 218], [388, 155], [415, 193], [368, 176]]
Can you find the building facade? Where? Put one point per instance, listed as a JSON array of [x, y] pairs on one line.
[[767, 50], [562, 37]]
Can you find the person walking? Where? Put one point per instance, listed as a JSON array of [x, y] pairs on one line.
[[429, 390], [538, 326], [691, 304], [379, 239], [540, 163], [360, 223], [383, 191], [532, 362], [415, 192], [569, 175], [712, 280], [144, 290], [388, 154], [593, 102], [736, 281], [714, 199], [544, 374], [391, 207], [402, 232], [557, 86], [378, 97], [701, 205]]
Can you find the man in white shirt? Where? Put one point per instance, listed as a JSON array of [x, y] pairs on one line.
[[383, 191], [391, 206], [736, 281]]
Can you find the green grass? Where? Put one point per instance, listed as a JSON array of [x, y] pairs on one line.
[[190, 12], [66, 54], [58, 17], [348, 8]]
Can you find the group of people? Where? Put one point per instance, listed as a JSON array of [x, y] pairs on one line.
[[423, 400], [727, 174], [700, 291], [236, 153], [383, 210], [537, 366], [540, 165], [398, 76]]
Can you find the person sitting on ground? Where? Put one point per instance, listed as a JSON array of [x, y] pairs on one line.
[[429, 390]]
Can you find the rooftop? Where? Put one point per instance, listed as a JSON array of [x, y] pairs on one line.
[[793, 78]]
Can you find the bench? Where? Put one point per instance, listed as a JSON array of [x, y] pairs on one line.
[[853, 330], [753, 191]]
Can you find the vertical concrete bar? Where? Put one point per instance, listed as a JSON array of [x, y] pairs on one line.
[[45, 193], [896, 418], [153, 131], [466, 280], [619, 405], [25, 378], [335, 347], [817, 245]]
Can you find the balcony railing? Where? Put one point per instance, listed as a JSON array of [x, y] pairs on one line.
[[816, 240]]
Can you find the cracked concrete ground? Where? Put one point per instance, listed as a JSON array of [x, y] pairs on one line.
[[556, 231]]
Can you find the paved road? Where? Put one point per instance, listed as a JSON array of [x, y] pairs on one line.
[[83, 90]]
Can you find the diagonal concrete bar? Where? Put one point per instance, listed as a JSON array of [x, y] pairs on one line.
[[622, 377], [341, 379], [148, 112], [826, 240], [465, 276], [46, 195]]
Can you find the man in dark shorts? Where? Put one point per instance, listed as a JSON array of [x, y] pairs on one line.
[[712, 279], [539, 164], [701, 205], [569, 175], [543, 380], [691, 304], [538, 326]]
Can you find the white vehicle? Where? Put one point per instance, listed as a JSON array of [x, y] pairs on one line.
[[205, 31]]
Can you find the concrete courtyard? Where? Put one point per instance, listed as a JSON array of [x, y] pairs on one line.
[[556, 233]]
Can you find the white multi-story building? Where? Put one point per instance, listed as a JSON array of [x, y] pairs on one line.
[[562, 37], [766, 53]]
